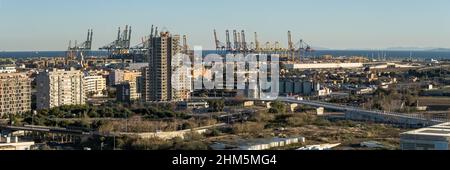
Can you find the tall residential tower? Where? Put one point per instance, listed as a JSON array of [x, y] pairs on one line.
[[159, 80]]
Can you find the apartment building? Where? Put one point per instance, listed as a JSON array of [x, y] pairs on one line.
[[60, 87], [94, 85], [15, 93]]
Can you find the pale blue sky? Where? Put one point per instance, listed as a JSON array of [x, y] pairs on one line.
[[340, 24]]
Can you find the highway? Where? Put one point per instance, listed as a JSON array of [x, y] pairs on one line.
[[45, 129], [363, 111]]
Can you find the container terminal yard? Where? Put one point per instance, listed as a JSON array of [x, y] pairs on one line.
[[128, 98]]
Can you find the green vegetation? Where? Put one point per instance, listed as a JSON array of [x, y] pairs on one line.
[[277, 107], [191, 141], [7, 61], [84, 116], [217, 105]]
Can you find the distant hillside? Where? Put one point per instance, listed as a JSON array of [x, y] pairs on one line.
[[321, 48], [417, 49], [441, 49]]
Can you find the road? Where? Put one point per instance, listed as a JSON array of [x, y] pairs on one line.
[[363, 111]]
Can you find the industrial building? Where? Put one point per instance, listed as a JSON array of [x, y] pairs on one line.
[[60, 87], [324, 66], [193, 105], [431, 138], [258, 144], [297, 86], [13, 143], [15, 93]]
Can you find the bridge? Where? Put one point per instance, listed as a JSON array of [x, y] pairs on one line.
[[371, 115], [46, 129]]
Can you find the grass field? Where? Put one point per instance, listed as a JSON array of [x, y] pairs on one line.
[[434, 101]]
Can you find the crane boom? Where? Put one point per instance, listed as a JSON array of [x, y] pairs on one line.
[[244, 43], [257, 48], [216, 40], [228, 40]]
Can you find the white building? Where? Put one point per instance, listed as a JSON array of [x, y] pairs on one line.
[[324, 65], [431, 138], [324, 92], [181, 80], [6, 69], [60, 87], [319, 147], [8, 143], [94, 85]]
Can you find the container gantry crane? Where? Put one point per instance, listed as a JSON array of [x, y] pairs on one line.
[[79, 51]]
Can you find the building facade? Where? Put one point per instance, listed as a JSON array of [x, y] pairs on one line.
[[94, 85], [7, 69], [119, 76], [431, 138], [60, 87], [127, 92], [160, 85], [15, 93]]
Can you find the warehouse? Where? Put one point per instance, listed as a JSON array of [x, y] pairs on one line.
[[431, 138]]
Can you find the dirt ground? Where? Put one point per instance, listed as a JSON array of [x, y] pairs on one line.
[[349, 134]]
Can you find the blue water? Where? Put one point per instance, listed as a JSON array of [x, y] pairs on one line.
[[388, 54], [36, 54], [371, 54]]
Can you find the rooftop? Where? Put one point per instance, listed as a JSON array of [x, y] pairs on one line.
[[442, 130]]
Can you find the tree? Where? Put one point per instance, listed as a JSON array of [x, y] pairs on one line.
[[277, 107], [217, 105]]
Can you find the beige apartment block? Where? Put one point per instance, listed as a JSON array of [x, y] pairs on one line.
[[94, 85], [60, 87], [15, 93]]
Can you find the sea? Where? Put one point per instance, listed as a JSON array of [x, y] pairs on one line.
[[418, 55]]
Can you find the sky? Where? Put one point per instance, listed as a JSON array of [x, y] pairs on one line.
[[30, 25]]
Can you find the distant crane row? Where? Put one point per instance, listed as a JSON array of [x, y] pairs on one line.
[[240, 45], [122, 48]]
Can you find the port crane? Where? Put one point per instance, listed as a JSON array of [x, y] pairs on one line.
[[144, 48], [79, 51], [294, 51], [120, 46]]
